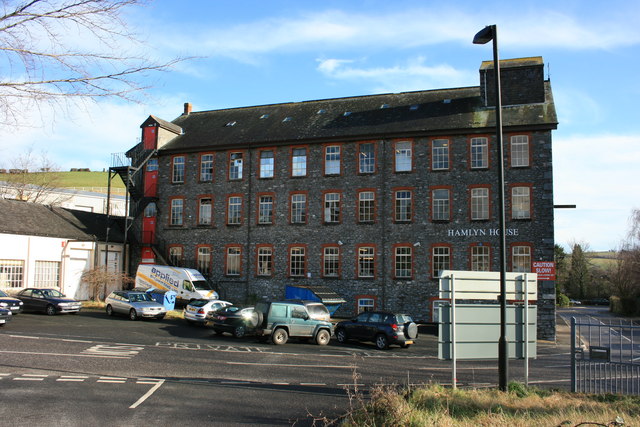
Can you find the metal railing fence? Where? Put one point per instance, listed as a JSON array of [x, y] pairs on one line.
[[605, 357]]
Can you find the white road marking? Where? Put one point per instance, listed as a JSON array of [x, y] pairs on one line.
[[290, 365], [147, 394], [65, 354]]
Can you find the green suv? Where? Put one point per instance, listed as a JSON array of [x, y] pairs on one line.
[[281, 320]]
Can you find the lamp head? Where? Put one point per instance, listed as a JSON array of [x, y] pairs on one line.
[[485, 35]]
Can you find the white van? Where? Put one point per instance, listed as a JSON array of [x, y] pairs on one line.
[[187, 283]]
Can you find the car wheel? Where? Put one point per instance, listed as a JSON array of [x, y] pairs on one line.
[[341, 335], [50, 310], [323, 337], [133, 315], [411, 330], [239, 331], [256, 319], [382, 342], [109, 310], [279, 336]]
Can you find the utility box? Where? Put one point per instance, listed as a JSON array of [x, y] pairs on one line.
[[166, 298]]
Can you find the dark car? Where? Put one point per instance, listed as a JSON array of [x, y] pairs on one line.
[[49, 300], [5, 316], [14, 305], [380, 327], [238, 321]]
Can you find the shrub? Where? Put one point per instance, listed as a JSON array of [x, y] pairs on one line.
[[563, 300]]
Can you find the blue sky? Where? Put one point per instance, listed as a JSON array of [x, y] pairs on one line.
[[263, 52]]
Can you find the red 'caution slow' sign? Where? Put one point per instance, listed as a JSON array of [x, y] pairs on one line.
[[546, 270]]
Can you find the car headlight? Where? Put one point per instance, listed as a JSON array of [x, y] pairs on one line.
[[4, 304]]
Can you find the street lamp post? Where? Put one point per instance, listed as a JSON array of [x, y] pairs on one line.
[[490, 32]]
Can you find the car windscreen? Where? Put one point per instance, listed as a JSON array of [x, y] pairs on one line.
[[2, 294], [202, 285], [198, 302], [403, 318], [139, 297], [318, 311], [52, 293]]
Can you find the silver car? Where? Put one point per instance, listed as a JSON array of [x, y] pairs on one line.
[[197, 310], [134, 304]]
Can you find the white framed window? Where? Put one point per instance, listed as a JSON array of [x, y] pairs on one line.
[[480, 258], [403, 156], [366, 262], [234, 210], [440, 205], [206, 167], [297, 261], [479, 153], [233, 261], [299, 162], [366, 304], [520, 203], [366, 206], [521, 259], [367, 158], [403, 262], [440, 154], [298, 208], [47, 274], [204, 211], [479, 203], [440, 259], [175, 255], [204, 259], [177, 212], [403, 204], [519, 151], [331, 261], [265, 261], [332, 160], [265, 210], [332, 207], [266, 164], [235, 165], [177, 175], [11, 273]]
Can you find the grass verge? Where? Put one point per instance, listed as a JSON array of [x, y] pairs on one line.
[[435, 405], [171, 314]]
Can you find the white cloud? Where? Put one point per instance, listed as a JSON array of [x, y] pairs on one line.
[[413, 75], [424, 26], [84, 136], [600, 174]]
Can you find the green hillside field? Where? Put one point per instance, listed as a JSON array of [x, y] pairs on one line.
[[74, 179]]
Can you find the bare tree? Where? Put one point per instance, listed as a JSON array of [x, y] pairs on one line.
[[100, 281], [33, 178], [55, 51]]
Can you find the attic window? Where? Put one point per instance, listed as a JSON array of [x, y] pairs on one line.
[[346, 113], [287, 119], [414, 107], [384, 106], [264, 116], [231, 124]]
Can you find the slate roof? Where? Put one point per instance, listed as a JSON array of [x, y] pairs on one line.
[[35, 219], [407, 114]]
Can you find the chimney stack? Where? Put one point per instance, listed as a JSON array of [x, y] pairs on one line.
[[187, 108]]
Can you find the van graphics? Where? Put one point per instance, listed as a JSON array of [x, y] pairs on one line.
[[165, 277]]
